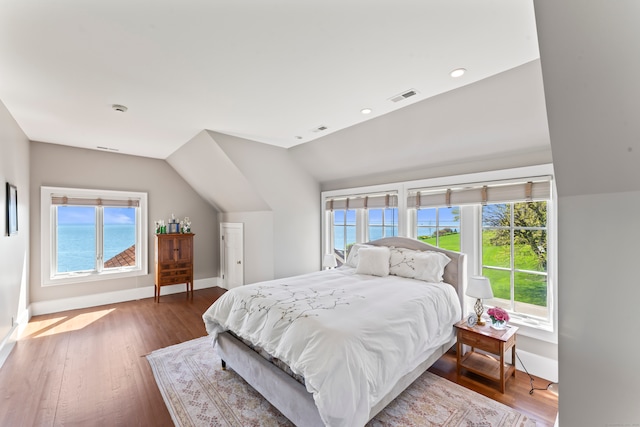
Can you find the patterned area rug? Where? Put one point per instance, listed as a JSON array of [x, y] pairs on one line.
[[198, 393]]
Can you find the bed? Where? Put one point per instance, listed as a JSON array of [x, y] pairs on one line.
[[333, 348]]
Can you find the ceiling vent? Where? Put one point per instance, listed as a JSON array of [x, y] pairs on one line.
[[106, 148], [319, 129], [406, 94]]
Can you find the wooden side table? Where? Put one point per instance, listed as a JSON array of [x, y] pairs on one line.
[[490, 340]]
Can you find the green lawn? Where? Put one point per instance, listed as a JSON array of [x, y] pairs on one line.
[[529, 288], [450, 241]]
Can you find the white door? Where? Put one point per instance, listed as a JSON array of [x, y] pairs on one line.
[[231, 254]]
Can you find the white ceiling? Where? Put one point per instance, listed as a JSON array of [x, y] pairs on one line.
[[269, 71]]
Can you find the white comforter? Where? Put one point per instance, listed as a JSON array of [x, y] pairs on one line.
[[351, 336]]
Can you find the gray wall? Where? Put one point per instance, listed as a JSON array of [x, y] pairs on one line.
[[56, 165], [293, 196], [14, 250], [590, 67], [262, 187], [258, 233]]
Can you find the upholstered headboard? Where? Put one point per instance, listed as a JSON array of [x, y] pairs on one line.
[[455, 273]]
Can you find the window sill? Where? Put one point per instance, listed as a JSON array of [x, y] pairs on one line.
[[74, 278], [540, 331]]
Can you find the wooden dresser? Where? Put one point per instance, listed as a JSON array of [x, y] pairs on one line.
[[174, 261]]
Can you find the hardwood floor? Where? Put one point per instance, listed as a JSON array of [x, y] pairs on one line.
[[87, 367]]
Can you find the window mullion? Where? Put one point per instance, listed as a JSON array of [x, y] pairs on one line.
[[362, 232], [438, 227], [54, 241], [99, 238], [512, 257]]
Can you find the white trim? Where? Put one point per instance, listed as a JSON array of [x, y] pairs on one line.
[[94, 300], [537, 365], [47, 215], [9, 341], [7, 344]]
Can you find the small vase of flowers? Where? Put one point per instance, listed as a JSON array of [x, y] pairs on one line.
[[499, 317]]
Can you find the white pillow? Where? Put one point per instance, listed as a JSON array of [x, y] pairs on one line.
[[430, 266], [402, 262], [352, 258], [373, 261], [420, 265]]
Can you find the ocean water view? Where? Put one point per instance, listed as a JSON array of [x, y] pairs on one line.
[[429, 222], [77, 244]]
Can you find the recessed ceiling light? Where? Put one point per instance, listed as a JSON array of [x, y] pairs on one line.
[[119, 108], [366, 111], [458, 72]]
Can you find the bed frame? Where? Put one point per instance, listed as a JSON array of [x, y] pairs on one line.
[[289, 396]]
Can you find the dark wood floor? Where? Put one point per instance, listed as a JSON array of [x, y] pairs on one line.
[[87, 367]]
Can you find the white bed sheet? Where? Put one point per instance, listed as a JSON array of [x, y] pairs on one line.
[[351, 336]]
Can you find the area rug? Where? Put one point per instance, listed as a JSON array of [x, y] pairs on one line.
[[198, 392]]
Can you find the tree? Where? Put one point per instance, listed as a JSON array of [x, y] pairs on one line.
[[526, 215]]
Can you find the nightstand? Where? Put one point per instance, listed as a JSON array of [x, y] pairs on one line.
[[492, 341]]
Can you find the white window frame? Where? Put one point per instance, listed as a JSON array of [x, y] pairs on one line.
[[48, 232], [413, 221], [470, 229], [544, 324], [367, 225]]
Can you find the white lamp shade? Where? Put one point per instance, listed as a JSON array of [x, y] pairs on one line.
[[329, 261], [479, 287]]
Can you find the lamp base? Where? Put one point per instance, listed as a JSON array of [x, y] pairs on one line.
[[479, 309]]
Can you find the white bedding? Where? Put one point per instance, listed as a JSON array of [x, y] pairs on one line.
[[351, 336]]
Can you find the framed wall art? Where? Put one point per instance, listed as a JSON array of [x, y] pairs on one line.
[[12, 210]]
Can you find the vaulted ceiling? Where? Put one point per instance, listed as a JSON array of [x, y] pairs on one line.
[[272, 72]]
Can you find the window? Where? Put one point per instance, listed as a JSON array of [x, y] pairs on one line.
[[344, 232], [439, 227], [514, 256], [382, 223], [358, 218], [92, 234], [505, 221]]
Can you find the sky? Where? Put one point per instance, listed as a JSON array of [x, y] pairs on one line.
[[78, 215]]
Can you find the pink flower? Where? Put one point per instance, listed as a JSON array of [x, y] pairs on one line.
[[498, 314]]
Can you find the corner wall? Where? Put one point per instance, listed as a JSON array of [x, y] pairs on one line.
[[293, 195], [264, 188], [14, 250], [57, 165]]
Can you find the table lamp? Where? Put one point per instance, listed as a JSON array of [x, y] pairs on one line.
[[329, 261], [479, 287]]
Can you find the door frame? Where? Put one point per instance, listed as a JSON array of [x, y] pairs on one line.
[[224, 226]]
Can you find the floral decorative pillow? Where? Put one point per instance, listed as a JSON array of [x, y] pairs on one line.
[[420, 265], [373, 261], [352, 258]]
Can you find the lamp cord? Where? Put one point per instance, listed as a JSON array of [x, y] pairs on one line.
[[531, 379]]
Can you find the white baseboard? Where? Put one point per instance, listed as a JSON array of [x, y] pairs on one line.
[[539, 366], [9, 341], [94, 300]]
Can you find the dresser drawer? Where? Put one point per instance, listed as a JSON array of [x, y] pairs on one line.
[[479, 341], [174, 271], [173, 265], [175, 279]]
